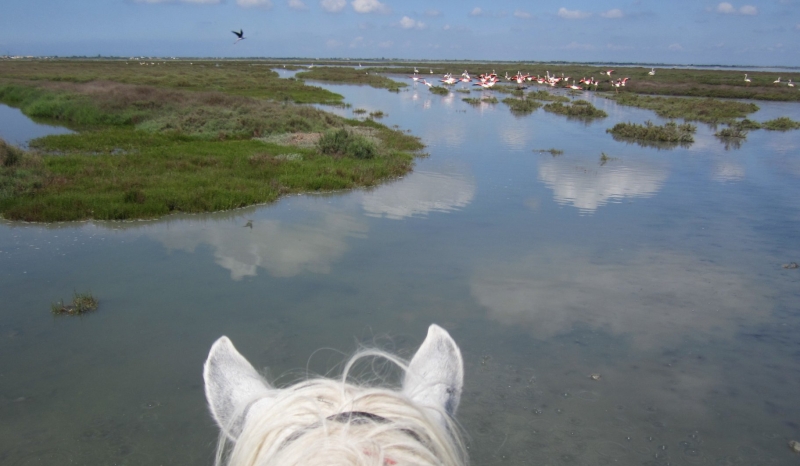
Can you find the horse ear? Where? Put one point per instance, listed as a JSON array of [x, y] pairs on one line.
[[435, 375], [232, 385]]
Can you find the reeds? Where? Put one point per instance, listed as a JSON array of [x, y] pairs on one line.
[[579, 109], [670, 132], [81, 304]]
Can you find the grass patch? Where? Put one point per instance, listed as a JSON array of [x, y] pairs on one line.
[[360, 111], [547, 96], [81, 304], [521, 106], [731, 132], [377, 114], [439, 90], [346, 75], [578, 109], [344, 143], [463, 91], [705, 110], [748, 124], [483, 100], [669, 132], [781, 124]]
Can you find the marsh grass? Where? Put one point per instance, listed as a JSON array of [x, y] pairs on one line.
[[146, 151], [81, 304], [579, 109], [706, 110], [347, 75], [670, 132], [346, 143], [439, 90], [547, 96], [377, 114], [475, 101], [521, 106], [781, 124], [731, 132]]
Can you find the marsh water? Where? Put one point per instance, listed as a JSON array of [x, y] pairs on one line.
[[658, 270]]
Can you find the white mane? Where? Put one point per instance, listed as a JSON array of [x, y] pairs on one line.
[[332, 422]]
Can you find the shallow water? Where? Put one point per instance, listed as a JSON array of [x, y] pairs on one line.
[[17, 129], [660, 270]]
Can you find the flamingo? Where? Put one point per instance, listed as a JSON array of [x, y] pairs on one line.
[[790, 83], [777, 81], [426, 83], [415, 70], [652, 72], [240, 36], [746, 79], [415, 78]]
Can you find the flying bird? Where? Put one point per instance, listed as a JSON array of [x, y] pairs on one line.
[[240, 36]]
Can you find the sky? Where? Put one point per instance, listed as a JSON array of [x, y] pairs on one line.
[[740, 32]]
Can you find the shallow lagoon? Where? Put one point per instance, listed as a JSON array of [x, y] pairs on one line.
[[660, 270]]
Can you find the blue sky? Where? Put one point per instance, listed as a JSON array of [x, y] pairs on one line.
[[739, 32]]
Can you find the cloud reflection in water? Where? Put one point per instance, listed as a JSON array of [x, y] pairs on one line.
[[419, 194], [588, 188], [653, 298]]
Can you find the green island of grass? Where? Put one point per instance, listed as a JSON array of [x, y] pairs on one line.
[[706, 110], [483, 100], [781, 124], [144, 150], [521, 106], [670, 133], [439, 90], [578, 109], [342, 74]]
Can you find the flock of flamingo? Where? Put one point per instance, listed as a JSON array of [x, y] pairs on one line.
[[488, 80]]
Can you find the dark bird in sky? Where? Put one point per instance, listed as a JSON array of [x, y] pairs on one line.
[[240, 36]]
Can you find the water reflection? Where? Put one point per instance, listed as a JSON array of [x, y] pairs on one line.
[[419, 194], [726, 170], [18, 129], [588, 187], [282, 249], [655, 298]]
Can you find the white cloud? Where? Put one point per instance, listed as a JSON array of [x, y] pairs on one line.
[[297, 5], [433, 12], [675, 47], [410, 23], [266, 4], [573, 14], [333, 6], [476, 12], [446, 27], [726, 7], [369, 6], [613, 14], [522, 14], [748, 10]]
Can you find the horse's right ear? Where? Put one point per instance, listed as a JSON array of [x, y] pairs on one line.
[[232, 386], [435, 375]]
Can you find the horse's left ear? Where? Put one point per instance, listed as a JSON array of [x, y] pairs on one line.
[[232, 387], [435, 375]]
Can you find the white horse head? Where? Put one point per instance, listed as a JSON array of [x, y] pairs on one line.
[[325, 421]]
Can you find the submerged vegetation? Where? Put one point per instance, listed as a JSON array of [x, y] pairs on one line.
[[143, 151], [552, 151], [706, 110], [670, 132], [578, 109], [81, 304]]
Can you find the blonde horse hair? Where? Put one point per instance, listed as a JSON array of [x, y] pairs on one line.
[[332, 422]]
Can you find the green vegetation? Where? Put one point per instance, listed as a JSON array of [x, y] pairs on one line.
[[578, 109], [341, 74], [344, 143], [482, 100], [649, 134], [521, 106], [781, 124], [747, 124], [144, 151], [705, 110], [81, 304], [604, 158], [463, 91], [554, 152], [360, 111], [731, 132], [439, 90], [377, 114]]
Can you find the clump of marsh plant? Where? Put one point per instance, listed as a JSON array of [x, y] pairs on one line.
[[81, 304], [552, 151], [670, 132], [343, 143], [377, 114], [360, 111], [578, 109], [731, 132], [781, 124], [439, 90], [521, 106]]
